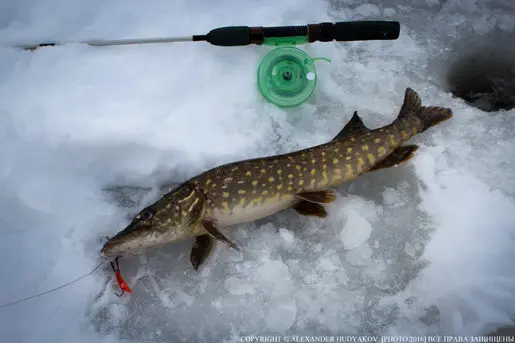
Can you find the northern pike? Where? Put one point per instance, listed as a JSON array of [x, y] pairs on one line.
[[251, 189]]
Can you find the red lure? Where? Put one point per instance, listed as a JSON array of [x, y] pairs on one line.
[[121, 282]]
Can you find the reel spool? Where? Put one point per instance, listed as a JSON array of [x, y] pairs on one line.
[[287, 76]]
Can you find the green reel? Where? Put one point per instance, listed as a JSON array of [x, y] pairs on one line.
[[287, 76]]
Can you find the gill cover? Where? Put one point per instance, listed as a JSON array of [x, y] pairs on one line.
[[179, 207], [187, 203]]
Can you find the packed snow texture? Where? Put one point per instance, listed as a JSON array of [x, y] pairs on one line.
[[88, 136]]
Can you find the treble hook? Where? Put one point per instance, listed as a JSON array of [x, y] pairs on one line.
[[121, 282]]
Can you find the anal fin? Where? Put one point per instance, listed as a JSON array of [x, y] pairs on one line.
[[398, 156], [201, 249], [322, 197], [210, 226], [307, 208]]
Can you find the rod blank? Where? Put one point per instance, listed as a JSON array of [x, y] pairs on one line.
[[105, 42]]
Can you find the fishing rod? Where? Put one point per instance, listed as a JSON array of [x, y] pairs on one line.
[[286, 76], [245, 35]]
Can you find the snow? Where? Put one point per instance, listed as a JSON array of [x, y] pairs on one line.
[[356, 230], [428, 246]]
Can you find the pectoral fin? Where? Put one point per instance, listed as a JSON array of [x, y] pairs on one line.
[[201, 249], [210, 226], [307, 208], [398, 156], [322, 197]]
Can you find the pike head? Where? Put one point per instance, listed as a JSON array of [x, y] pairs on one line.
[[171, 218]]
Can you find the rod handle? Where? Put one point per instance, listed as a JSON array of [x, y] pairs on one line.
[[324, 32], [366, 30]]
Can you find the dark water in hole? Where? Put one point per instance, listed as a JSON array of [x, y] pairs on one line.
[[485, 80]]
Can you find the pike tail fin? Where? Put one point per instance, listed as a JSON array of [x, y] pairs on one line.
[[429, 115]]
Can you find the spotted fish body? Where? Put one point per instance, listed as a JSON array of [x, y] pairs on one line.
[[251, 189]]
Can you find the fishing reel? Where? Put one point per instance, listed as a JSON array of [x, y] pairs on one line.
[[287, 76]]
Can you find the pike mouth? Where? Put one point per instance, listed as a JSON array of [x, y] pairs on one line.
[[124, 247], [113, 248], [126, 242]]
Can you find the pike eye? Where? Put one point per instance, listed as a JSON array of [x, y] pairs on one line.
[[146, 214]]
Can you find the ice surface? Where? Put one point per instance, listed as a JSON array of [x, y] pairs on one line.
[[356, 230], [432, 240]]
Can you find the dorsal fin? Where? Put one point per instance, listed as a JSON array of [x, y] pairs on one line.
[[411, 104], [355, 126]]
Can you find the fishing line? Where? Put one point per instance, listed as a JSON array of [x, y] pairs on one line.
[[53, 289]]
